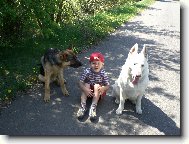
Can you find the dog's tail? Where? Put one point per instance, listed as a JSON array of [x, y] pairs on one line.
[[41, 70]]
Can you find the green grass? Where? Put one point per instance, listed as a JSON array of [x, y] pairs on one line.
[[18, 64]]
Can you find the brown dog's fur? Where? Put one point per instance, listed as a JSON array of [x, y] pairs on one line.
[[54, 63]]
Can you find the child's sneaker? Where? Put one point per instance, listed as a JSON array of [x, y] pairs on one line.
[[92, 112], [81, 113]]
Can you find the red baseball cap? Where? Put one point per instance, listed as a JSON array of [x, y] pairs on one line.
[[96, 56]]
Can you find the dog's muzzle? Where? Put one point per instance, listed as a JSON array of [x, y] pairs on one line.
[[76, 64]]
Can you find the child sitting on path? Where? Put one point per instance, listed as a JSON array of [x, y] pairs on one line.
[[93, 83]]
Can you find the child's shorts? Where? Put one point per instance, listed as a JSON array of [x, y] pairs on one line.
[[92, 88]]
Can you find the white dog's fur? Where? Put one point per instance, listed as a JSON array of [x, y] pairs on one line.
[[133, 79]]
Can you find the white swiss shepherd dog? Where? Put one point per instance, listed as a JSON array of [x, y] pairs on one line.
[[133, 79]]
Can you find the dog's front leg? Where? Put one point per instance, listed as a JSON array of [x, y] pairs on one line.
[[115, 93], [47, 86], [121, 103], [138, 105], [62, 83]]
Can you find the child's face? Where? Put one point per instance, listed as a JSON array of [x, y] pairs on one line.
[[96, 65]]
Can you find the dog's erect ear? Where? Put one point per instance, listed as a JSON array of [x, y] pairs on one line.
[[144, 51], [70, 51], [70, 47], [133, 50]]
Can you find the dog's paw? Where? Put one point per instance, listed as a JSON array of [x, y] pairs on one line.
[[138, 111], [116, 101], [46, 99], [118, 111], [66, 93]]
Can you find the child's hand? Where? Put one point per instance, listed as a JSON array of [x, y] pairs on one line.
[[88, 92], [101, 90]]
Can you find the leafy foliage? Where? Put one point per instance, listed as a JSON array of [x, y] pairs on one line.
[[21, 18]]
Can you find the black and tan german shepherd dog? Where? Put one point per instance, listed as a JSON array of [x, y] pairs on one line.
[[53, 64]]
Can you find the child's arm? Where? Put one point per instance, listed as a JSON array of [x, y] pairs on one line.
[[85, 89]]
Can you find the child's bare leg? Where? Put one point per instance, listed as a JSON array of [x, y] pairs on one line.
[[82, 110], [83, 95], [92, 112], [96, 94]]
